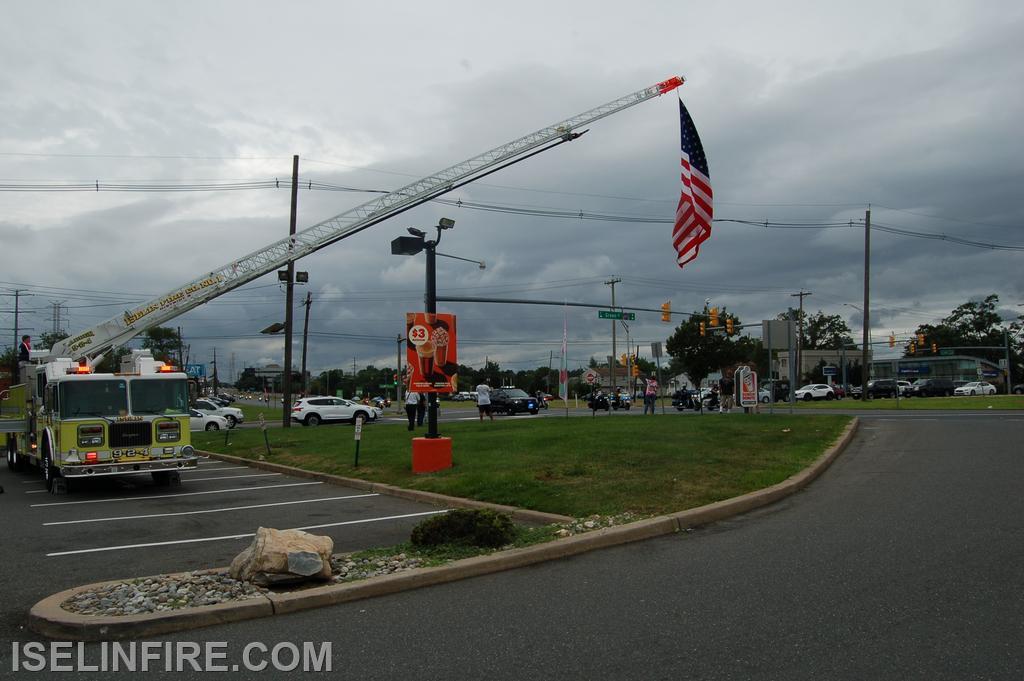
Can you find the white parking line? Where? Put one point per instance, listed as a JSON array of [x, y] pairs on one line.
[[207, 468], [36, 491], [167, 496], [235, 536], [211, 510], [232, 477]]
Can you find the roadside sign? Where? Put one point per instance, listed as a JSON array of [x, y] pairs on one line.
[[1002, 363], [590, 376], [830, 371], [359, 428], [195, 370], [914, 369], [990, 374], [615, 314], [656, 349], [747, 381]]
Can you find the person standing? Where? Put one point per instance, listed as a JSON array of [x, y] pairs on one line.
[[483, 400], [650, 395], [421, 409], [726, 387], [25, 349], [412, 401]]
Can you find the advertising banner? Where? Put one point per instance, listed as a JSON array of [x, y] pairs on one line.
[[431, 352], [747, 381]]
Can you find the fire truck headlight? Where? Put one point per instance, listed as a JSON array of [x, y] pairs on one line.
[[90, 435]]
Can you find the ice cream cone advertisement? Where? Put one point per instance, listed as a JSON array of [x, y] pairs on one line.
[[431, 352]]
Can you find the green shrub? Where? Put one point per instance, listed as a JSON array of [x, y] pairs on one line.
[[476, 527]]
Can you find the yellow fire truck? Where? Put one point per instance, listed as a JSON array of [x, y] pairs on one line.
[[72, 423]]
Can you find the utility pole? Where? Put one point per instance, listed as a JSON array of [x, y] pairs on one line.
[[286, 383], [800, 332], [305, 338], [867, 301], [398, 372], [181, 351], [611, 365], [216, 385], [57, 326]]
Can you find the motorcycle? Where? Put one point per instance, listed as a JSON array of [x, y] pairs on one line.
[[620, 401], [597, 401], [710, 401]]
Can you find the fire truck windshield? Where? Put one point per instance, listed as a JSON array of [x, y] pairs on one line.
[[159, 396], [93, 398]]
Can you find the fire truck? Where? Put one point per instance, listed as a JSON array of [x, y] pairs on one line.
[[72, 423]]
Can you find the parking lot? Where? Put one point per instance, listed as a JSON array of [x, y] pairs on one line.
[[120, 527]]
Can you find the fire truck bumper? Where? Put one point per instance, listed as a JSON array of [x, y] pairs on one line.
[[93, 470]]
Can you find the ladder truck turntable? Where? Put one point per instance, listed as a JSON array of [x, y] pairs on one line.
[[72, 423]]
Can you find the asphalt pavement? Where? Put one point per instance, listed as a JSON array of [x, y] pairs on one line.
[[903, 561], [121, 527]]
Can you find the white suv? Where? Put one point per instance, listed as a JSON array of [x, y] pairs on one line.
[[233, 415], [312, 411]]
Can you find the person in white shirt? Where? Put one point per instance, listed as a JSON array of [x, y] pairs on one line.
[[412, 400], [483, 400]]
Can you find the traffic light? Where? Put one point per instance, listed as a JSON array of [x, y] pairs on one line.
[[636, 371], [935, 348], [730, 325], [666, 311], [623, 359], [714, 316], [703, 329], [920, 339], [892, 341], [913, 348]]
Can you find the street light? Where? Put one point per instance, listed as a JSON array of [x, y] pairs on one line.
[[405, 245]]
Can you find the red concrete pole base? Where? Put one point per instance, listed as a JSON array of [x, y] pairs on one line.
[[431, 454]]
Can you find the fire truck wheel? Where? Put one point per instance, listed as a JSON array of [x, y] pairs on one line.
[[49, 472]]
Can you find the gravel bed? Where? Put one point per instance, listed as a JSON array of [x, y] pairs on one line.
[[158, 594]]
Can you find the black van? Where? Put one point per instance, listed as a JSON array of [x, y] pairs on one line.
[[932, 387]]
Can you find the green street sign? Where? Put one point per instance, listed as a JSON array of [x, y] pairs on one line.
[[946, 351], [613, 314], [386, 385]]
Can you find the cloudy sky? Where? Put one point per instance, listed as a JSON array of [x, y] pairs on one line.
[[808, 113]]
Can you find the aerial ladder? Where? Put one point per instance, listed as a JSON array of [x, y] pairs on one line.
[[71, 423], [92, 344]]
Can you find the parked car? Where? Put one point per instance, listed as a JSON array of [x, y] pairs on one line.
[[976, 388], [233, 415], [312, 411], [512, 401], [882, 387], [904, 388], [198, 420], [815, 391], [225, 396], [1018, 389], [932, 387], [839, 390]]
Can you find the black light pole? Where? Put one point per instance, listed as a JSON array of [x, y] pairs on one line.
[[430, 302], [405, 245]]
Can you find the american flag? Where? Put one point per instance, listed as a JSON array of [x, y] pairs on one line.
[[693, 214]]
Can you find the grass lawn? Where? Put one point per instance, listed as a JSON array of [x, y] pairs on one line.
[[976, 402], [576, 466]]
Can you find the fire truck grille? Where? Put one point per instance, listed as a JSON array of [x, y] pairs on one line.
[[131, 434]]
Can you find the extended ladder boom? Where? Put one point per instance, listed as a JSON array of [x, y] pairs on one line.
[[120, 330]]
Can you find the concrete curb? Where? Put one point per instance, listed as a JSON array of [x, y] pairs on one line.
[[433, 498], [49, 619]]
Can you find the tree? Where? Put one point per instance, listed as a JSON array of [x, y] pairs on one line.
[[163, 342], [972, 324], [826, 332]]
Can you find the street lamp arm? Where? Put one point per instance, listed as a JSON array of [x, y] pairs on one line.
[[481, 263]]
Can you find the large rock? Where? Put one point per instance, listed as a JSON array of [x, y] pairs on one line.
[[283, 557]]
